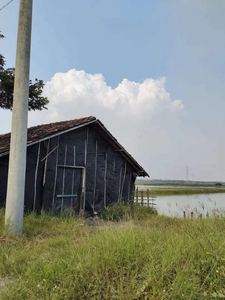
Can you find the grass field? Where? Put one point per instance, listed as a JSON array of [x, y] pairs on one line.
[[141, 256]]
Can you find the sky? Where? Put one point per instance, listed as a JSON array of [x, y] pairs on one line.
[[152, 71]]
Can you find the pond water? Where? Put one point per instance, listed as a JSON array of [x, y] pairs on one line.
[[198, 204]]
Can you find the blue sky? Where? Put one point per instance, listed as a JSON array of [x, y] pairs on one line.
[[183, 41]]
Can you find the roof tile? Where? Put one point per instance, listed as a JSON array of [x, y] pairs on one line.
[[40, 132]]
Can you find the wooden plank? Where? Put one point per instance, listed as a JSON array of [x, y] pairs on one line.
[[128, 193], [120, 184], [46, 162], [72, 167], [49, 152], [95, 178], [124, 177], [148, 196], [105, 182], [137, 195], [83, 193], [35, 178], [142, 197], [66, 196]]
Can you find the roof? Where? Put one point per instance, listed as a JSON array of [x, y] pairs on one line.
[[42, 132]]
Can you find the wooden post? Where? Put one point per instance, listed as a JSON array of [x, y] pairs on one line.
[[95, 178], [137, 195], [184, 214], [128, 194], [142, 197], [148, 197], [120, 184], [82, 198], [192, 214], [83, 195], [64, 174], [105, 182], [74, 163]]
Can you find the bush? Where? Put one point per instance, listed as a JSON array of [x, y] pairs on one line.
[[122, 211]]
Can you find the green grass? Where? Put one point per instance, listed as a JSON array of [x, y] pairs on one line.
[[149, 257], [154, 192]]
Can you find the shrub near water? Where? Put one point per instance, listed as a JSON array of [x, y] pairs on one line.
[[154, 258], [121, 211]]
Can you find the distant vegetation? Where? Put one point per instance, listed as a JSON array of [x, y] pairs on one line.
[[178, 182], [179, 187], [152, 258], [153, 192]]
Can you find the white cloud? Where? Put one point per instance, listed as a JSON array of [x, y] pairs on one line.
[[77, 89], [142, 116], [154, 128]]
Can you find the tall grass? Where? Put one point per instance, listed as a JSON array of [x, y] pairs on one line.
[[153, 257], [127, 212]]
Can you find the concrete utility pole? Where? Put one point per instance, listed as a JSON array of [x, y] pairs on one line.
[[18, 143]]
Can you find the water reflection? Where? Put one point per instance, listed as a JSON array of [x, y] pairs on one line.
[[199, 204]]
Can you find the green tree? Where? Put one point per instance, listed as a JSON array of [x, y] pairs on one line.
[[35, 102]]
